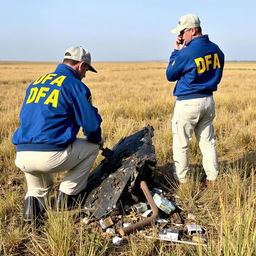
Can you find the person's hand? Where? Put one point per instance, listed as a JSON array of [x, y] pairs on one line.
[[101, 143], [179, 43]]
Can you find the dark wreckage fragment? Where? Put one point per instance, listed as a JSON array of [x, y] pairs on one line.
[[117, 178]]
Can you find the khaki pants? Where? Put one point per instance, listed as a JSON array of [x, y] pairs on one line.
[[39, 167], [194, 115]]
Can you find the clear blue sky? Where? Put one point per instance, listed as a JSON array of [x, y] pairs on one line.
[[119, 30]]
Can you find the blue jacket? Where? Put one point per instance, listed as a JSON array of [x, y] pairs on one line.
[[198, 68], [55, 107]]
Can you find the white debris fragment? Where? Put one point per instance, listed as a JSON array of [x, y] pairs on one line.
[[117, 240], [160, 220], [193, 229], [169, 234], [126, 224], [102, 224], [177, 224], [86, 220], [146, 213]]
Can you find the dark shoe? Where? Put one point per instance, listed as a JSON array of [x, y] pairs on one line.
[[68, 202], [33, 210]]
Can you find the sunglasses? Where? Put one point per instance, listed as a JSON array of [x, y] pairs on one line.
[[184, 30]]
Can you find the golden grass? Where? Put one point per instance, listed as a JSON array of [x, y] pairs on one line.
[[130, 96]]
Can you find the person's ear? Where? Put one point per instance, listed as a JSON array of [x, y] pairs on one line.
[[193, 30], [80, 66]]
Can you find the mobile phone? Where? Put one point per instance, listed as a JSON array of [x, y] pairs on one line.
[[181, 41]]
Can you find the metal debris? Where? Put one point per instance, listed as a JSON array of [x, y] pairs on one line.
[[132, 160], [169, 234], [140, 207], [194, 229], [107, 222], [148, 221], [164, 204]]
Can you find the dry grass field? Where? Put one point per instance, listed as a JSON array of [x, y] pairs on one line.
[[130, 96]]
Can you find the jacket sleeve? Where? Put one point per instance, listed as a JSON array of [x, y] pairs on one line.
[[175, 67], [86, 115]]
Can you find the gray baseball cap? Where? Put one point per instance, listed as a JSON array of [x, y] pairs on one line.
[[187, 21], [79, 53]]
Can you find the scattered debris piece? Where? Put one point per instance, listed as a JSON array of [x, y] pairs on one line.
[[160, 220], [169, 234], [86, 220], [194, 229], [146, 213], [117, 240], [126, 224], [105, 223], [177, 224], [110, 231], [178, 241], [164, 204], [140, 207]]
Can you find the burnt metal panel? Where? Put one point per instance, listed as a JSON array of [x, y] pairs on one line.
[[132, 158]]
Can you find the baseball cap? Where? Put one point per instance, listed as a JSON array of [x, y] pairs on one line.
[[78, 53], [187, 21]]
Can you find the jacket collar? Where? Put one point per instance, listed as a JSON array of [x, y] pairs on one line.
[[63, 68]]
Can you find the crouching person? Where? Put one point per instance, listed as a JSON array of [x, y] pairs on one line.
[[56, 105]]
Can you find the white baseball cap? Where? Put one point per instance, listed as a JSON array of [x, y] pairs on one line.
[[78, 53], [187, 21]]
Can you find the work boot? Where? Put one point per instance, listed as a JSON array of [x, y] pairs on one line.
[[34, 210], [68, 202]]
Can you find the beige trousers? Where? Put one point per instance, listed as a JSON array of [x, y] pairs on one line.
[[194, 116], [39, 166]]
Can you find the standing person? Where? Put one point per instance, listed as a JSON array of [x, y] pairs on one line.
[[197, 65], [56, 105]]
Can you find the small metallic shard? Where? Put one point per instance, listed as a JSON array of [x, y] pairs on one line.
[[140, 207], [194, 229]]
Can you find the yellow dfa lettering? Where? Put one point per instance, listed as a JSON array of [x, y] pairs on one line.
[[59, 80], [48, 77], [53, 98], [41, 93], [32, 95], [216, 61], [39, 80], [200, 64], [208, 61]]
